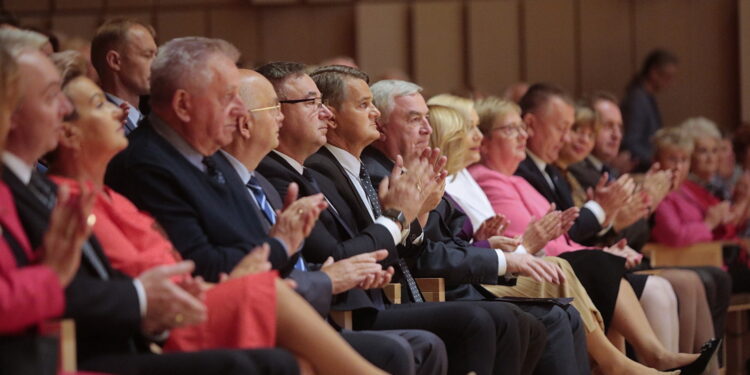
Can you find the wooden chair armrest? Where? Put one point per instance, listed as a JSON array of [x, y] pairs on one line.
[[393, 292], [65, 330], [433, 289], [700, 254]]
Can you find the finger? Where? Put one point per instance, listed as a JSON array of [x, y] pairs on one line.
[[181, 268], [380, 254], [383, 188], [223, 277], [291, 283], [602, 180], [328, 261]]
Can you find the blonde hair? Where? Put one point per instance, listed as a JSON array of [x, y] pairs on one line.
[[71, 64], [673, 137], [492, 107], [9, 77], [586, 117], [462, 105], [449, 128]]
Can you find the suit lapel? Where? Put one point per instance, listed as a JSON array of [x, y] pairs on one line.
[[346, 187]]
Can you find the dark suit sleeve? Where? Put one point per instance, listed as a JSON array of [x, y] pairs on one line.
[[585, 228], [152, 190], [316, 288]]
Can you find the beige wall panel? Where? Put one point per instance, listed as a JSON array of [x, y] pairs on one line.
[[666, 24], [78, 4], [549, 35], [744, 34], [173, 24], [306, 34], [82, 26], [238, 26], [606, 61], [713, 64], [382, 38], [494, 45], [438, 48], [26, 5]]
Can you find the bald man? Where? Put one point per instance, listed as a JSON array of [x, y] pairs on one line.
[[396, 351]]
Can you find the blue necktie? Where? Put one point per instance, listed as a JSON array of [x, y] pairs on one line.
[[268, 212]]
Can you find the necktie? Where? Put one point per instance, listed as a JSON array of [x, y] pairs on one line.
[[212, 171], [372, 196], [268, 212], [552, 176]]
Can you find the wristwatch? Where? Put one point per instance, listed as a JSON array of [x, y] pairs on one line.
[[396, 216]]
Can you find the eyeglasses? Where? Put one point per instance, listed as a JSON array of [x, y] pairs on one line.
[[276, 107], [315, 102], [512, 130]]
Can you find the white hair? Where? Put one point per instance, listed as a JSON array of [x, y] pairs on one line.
[[182, 61], [697, 127], [16, 41], [386, 91]]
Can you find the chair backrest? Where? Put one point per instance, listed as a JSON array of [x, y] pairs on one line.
[[700, 254]]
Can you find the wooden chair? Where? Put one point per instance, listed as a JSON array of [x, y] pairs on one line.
[[433, 290], [65, 331]]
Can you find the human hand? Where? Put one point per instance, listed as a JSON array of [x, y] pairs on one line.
[[717, 214], [493, 226], [624, 162], [347, 273], [536, 268], [125, 111], [378, 279], [636, 208], [403, 191], [503, 243], [621, 249], [657, 184], [612, 196], [539, 231], [434, 189], [70, 226], [168, 305], [254, 262], [297, 219]]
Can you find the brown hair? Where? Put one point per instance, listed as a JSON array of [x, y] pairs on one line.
[[331, 82], [111, 35]]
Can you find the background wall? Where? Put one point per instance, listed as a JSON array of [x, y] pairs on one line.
[[461, 45]]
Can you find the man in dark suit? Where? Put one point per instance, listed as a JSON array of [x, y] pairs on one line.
[[114, 314], [405, 130], [304, 131], [122, 51], [394, 351]]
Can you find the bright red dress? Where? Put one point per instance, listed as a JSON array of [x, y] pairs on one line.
[[241, 312]]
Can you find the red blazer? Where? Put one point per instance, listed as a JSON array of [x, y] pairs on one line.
[[28, 295]]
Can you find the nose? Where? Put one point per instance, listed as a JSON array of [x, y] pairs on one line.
[[426, 129], [325, 113], [279, 117], [237, 107], [374, 111]]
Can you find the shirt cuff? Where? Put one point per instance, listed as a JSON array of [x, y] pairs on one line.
[[141, 292], [520, 250], [392, 227], [502, 264], [597, 210]]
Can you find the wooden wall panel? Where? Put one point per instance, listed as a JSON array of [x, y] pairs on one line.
[[306, 34], [438, 46], [82, 26], [238, 26], [382, 43], [744, 34], [666, 24], [78, 4], [549, 34], [494, 42], [27, 5], [606, 61], [174, 24]]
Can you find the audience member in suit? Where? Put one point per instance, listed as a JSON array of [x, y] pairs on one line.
[[565, 331], [122, 51], [676, 334], [114, 313], [640, 110], [502, 151], [475, 342], [394, 351]]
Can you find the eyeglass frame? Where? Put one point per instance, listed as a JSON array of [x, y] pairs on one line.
[[512, 128], [296, 101], [276, 107]]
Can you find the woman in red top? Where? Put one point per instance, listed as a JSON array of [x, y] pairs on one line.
[[251, 308]]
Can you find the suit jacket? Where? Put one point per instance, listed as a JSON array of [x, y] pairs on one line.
[[211, 223], [103, 302], [29, 293], [642, 119], [586, 173], [442, 253], [586, 226]]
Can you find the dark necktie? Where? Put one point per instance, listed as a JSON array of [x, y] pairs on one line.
[[316, 190], [372, 196], [213, 171], [268, 212]]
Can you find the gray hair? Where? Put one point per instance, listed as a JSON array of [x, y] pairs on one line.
[[183, 60], [697, 127], [385, 92], [17, 40]]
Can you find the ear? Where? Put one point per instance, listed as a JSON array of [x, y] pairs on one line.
[[182, 105], [530, 121], [70, 137], [113, 60], [245, 126]]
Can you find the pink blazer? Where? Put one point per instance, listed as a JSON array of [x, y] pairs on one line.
[[515, 198], [28, 295]]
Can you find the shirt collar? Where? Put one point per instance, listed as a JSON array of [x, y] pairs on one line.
[[173, 138], [537, 161], [598, 164], [134, 115], [18, 167], [350, 163], [240, 168], [296, 165]]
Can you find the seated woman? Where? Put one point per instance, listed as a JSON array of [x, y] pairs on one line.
[[691, 214], [625, 312], [252, 308], [685, 331]]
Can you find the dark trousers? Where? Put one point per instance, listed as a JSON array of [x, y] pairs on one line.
[[219, 362], [401, 352]]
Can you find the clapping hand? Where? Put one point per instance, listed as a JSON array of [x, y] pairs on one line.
[[297, 219]]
